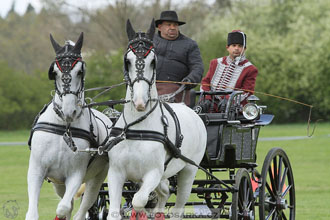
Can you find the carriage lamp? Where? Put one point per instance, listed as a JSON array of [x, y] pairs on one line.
[[250, 111], [253, 99]]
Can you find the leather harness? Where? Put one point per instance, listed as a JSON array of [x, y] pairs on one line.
[[62, 129], [121, 134]]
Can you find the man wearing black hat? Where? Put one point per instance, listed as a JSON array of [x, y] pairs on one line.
[[178, 57], [233, 71]]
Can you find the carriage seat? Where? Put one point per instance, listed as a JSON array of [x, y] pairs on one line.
[[214, 123]]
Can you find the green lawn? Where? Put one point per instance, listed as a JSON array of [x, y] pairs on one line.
[[308, 157]]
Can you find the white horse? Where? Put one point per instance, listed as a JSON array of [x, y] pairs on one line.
[[64, 128], [144, 160]]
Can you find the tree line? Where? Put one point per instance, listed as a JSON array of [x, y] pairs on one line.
[[287, 41]]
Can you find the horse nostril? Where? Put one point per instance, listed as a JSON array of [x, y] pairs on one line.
[[74, 113]]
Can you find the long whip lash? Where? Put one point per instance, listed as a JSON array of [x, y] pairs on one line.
[[262, 93], [309, 134]]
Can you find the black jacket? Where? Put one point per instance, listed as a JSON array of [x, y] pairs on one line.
[[178, 59]]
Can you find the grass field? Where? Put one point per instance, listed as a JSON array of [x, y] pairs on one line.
[[309, 158]]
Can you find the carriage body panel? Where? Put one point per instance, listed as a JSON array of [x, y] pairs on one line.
[[230, 145]]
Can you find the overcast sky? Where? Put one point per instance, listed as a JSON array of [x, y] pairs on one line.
[[5, 6], [20, 6]]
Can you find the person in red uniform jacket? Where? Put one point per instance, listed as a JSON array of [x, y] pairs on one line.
[[231, 72]]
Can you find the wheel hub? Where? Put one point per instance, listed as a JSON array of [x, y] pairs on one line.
[[281, 203], [248, 215]]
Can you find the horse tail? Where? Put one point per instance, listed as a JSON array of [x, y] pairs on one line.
[[80, 191]]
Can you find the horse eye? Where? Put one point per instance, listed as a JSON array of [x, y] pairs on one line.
[[80, 72]]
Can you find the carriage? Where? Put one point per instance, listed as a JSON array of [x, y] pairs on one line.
[[182, 143], [231, 150]]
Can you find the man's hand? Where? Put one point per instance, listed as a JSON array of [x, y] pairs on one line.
[[203, 107], [187, 82]]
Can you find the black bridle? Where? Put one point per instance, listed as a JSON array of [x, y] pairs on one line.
[[141, 46], [65, 62], [65, 65]]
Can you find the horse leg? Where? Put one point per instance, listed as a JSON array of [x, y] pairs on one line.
[[35, 180], [163, 193], [65, 206], [185, 181], [116, 180], [149, 183], [92, 189], [60, 191]]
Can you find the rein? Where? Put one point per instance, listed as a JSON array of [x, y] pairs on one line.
[[170, 97]]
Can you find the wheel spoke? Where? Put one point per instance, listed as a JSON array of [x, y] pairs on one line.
[[283, 216], [269, 189], [275, 173], [270, 214], [283, 179], [275, 170], [247, 196], [240, 201], [245, 191], [286, 191], [271, 178], [270, 202], [241, 192], [280, 162], [249, 205]]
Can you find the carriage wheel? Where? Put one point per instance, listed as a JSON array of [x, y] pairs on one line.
[[277, 193], [243, 200]]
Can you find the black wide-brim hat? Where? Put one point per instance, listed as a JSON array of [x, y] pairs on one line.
[[168, 16]]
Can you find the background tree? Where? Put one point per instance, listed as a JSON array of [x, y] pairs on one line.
[[287, 40]]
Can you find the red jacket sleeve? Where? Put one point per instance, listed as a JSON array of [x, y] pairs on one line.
[[249, 80]]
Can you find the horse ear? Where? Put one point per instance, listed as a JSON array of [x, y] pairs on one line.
[[151, 31], [129, 30], [56, 46], [51, 73], [79, 43]]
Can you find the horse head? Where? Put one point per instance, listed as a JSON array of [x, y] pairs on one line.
[[140, 66], [68, 72]]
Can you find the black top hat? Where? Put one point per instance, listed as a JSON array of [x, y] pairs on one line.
[[168, 16]]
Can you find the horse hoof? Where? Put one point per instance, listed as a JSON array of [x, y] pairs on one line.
[[138, 216], [57, 218], [159, 216]]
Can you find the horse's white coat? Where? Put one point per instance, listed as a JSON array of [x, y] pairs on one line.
[[51, 157], [143, 161]]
